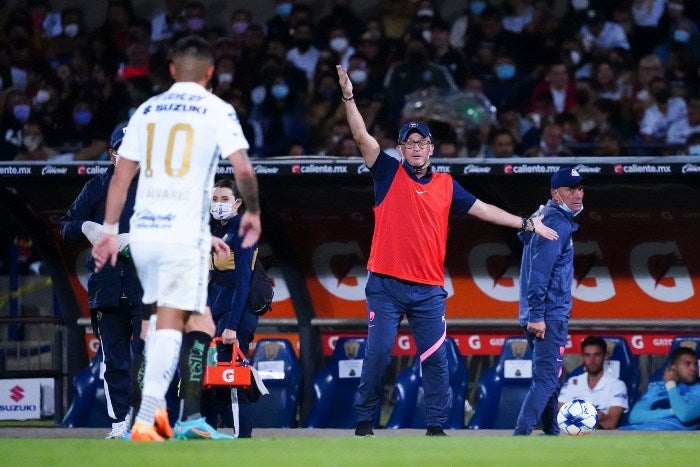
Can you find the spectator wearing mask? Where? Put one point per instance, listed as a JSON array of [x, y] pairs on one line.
[[304, 55], [33, 144], [339, 42], [507, 86], [416, 71], [664, 112], [17, 110]]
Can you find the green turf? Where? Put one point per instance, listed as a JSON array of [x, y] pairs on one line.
[[677, 449]]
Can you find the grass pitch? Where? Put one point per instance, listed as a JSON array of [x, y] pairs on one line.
[[658, 449]]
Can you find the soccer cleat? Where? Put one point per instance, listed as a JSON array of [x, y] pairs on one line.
[[162, 423], [363, 429], [197, 429], [118, 430], [142, 432], [435, 431]]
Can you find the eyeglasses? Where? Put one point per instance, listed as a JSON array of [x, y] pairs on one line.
[[417, 144]]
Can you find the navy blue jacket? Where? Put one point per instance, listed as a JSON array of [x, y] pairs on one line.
[[106, 287], [547, 269], [232, 273]]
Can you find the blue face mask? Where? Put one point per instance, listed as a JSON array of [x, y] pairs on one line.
[[280, 91], [566, 208], [284, 9], [681, 35], [505, 71], [21, 112], [82, 117], [477, 7]]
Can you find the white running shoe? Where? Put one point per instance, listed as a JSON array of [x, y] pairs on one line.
[[119, 429]]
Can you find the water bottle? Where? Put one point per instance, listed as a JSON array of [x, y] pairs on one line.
[[125, 252], [212, 355]]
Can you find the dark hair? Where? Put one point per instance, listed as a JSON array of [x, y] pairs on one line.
[[228, 183], [679, 352], [595, 340], [193, 46]]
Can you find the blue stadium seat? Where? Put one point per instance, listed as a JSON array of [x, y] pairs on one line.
[[409, 406], [622, 363], [335, 387], [280, 370], [686, 341], [89, 406], [503, 387]]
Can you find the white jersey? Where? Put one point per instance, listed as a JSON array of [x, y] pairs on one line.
[[609, 392], [177, 138]]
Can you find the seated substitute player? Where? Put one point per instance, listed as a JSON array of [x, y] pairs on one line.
[[607, 393], [674, 402]]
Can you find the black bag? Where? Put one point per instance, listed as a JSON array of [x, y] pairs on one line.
[[261, 293]]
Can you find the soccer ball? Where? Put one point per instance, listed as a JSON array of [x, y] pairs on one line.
[[577, 417]]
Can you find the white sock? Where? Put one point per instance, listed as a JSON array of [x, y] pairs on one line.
[[162, 356]]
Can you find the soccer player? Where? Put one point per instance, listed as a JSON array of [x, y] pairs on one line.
[[412, 205], [674, 402], [175, 138], [607, 393], [546, 275]]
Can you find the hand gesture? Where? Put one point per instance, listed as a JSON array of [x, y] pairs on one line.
[[542, 230], [670, 374], [250, 229], [344, 81], [105, 249], [221, 249]]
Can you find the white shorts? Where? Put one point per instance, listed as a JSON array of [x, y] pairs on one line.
[[172, 275]]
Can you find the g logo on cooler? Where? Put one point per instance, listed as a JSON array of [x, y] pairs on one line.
[[228, 375]]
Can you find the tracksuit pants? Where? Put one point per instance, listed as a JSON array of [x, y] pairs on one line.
[[116, 326], [540, 402], [388, 299]]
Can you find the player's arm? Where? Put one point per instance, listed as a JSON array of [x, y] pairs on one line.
[[610, 420], [495, 215], [247, 184], [369, 147], [106, 249]]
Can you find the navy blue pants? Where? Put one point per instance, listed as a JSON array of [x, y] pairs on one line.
[[116, 326], [540, 402], [216, 402], [388, 299]]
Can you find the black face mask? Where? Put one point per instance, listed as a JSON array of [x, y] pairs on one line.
[[581, 97], [662, 95], [416, 57], [303, 44]]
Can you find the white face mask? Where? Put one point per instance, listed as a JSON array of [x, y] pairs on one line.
[[225, 78], [221, 211], [358, 76], [31, 142], [71, 30], [339, 44]]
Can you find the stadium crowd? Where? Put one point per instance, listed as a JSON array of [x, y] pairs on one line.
[[567, 77]]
